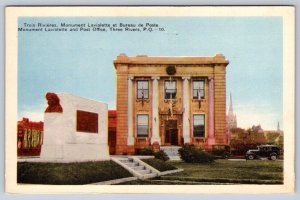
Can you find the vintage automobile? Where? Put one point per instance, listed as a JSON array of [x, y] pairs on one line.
[[263, 151]]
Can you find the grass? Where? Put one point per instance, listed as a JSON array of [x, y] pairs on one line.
[[69, 173], [221, 172], [255, 169], [159, 164]]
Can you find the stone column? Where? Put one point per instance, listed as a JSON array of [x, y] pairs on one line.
[[186, 111], [155, 117], [130, 138], [211, 110]]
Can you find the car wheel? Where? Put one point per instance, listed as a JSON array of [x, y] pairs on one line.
[[251, 157], [273, 157]]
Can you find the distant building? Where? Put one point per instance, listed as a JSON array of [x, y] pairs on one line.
[[257, 128], [231, 117], [29, 137], [278, 128], [274, 136], [112, 131]]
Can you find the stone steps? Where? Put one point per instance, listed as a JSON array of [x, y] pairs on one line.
[[171, 151], [136, 167]]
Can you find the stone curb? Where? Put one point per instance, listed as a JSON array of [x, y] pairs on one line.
[[115, 181], [171, 171]]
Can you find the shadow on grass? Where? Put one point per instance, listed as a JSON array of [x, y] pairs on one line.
[[69, 173]]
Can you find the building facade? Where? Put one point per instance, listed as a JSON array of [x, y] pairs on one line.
[[29, 137], [170, 101], [112, 131]]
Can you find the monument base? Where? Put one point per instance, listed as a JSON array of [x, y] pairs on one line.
[[78, 133], [75, 152]]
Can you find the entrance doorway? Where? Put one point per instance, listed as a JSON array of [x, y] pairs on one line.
[[171, 132]]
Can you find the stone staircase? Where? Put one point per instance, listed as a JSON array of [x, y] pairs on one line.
[[136, 166], [171, 151]]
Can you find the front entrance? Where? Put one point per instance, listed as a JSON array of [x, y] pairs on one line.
[[171, 132]]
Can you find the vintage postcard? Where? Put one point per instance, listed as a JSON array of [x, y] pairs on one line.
[[101, 99]]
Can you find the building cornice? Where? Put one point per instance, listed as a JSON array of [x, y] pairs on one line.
[[218, 59]]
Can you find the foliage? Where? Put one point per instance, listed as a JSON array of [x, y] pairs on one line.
[[274, 137], [161, 155], [191, 154], [69, 173], [145, 152], [220, 153], [159, 164], [239, 148], [271, 137]]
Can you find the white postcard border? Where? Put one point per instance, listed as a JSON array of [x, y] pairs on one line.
[[288, 14]]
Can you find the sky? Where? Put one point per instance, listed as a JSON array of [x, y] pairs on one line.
[[81, 63]]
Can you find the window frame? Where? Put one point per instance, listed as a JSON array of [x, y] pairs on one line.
[[137, 89], [165, 89], [204, 128], [137, 126], [197, 97]]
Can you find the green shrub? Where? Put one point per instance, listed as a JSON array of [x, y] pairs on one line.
[[149, 152], [159, 164], [191, 154], [161, 155], [145, 152], [220, 153]]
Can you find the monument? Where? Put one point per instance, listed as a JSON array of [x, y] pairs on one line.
[[75, 129]]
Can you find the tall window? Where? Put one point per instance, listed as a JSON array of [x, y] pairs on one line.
[[198, 89], [170, 89], [142, 89], [199, 125], [142, 125]]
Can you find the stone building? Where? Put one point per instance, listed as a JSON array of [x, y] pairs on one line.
[[170, 101], [30, 137]]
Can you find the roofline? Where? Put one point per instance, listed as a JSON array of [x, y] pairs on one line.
[[171, 60]]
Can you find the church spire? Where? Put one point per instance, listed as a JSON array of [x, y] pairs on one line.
[[278, 127], [231, 117]]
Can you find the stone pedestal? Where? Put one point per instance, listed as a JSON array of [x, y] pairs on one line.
[[79, 133]]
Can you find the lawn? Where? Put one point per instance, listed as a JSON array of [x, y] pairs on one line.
[[222, 172], [219, 172], [254, 169], [69, 173], [159, 164]]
